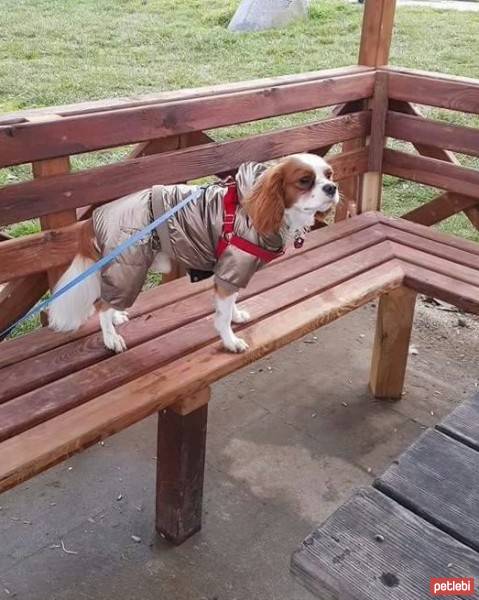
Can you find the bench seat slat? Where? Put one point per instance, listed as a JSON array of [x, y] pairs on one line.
[[81, 353], [48, 443], [437, 478], [344, 559], [429, 233], [42, 340], [436, 264], [42, 403], [437, 285], [435, 248]]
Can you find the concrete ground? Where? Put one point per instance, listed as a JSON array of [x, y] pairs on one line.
[[290, 438]]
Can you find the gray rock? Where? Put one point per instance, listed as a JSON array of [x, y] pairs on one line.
[[257, 15]]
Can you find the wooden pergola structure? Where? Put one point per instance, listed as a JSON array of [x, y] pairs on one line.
[[68, 397]]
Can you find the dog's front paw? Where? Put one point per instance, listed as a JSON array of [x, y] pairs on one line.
[[120, 317], [114, 342], [241, 316], [236, 344]]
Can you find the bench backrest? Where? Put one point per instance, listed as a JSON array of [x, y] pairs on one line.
[[170, 146]]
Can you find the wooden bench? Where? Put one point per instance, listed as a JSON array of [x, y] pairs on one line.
[[61, 393], [419, 521]]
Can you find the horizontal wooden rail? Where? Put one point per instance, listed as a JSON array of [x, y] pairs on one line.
[[58, 193], [417, 129], [433, 172], [111, 104], [434, 89], [38, 252], [25, 142]]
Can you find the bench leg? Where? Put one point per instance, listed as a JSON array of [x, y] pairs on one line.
[[391, 343], [180, 472]]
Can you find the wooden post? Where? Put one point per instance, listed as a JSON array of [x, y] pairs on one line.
[[46, 168], [391, 343], [372, 180], [180, 469], [376, 35]]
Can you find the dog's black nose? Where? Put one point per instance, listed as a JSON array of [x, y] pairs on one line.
[[329, 188]]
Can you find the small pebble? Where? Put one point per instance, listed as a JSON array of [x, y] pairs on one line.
[[120, 497], [369, 469], [70, 468], [313, 416], [344, 403], [413, 350], [449, 565], [379, 538], [432, 413], [136, 539]]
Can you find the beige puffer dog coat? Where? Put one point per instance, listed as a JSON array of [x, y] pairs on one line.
[[189, 237]]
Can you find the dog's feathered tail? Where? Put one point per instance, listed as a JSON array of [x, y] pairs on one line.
[[70, 311]]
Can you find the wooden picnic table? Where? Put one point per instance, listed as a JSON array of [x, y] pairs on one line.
[[419, 520]]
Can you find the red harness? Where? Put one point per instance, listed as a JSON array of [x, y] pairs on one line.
[[228, 236]]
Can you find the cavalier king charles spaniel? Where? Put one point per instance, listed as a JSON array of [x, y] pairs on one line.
[[273, 213]]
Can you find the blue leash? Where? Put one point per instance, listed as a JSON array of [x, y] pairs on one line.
[[106, 260]]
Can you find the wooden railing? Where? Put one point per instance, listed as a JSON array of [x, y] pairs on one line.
[[172, 146], [435, 141]]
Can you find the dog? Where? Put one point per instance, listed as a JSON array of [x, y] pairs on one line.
[[229, 232]]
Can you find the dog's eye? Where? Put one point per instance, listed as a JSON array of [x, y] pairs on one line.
[[306, 182], [328, 173]]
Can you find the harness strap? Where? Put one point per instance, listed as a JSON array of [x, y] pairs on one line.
[[230, 205]]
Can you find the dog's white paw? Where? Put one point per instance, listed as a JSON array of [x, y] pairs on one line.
[[114, 342], [236, 344], [120, 317], [241, 316]]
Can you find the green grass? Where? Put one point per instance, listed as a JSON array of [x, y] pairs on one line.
[[65, 51]]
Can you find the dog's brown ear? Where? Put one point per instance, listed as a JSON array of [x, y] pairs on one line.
[[265, 205]]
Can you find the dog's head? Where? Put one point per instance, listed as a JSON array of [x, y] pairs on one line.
[[295, 188]]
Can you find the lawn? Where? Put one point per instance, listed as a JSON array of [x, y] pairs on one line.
[[64, 51]]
